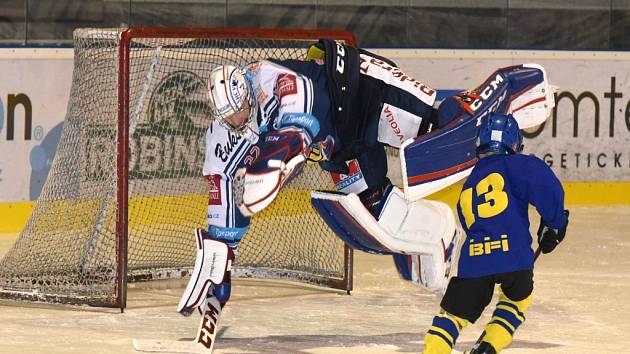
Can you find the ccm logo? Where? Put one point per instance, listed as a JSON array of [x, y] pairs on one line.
[[341, 53], [487, 92], [209, 326]]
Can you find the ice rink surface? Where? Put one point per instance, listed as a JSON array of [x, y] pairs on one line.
[[581, 305]]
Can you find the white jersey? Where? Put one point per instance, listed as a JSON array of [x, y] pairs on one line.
[[278, 91], [225, 152]]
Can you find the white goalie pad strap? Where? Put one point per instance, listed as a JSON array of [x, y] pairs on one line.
[[422, 227], [213, 261], [532, 107], [256, 191]]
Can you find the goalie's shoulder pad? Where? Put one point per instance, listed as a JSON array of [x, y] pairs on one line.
[[213, 261]]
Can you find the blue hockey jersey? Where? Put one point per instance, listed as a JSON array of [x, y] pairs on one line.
[[493, 209]]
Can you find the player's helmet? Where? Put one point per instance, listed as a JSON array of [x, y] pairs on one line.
[[232, 101], [499, 134]]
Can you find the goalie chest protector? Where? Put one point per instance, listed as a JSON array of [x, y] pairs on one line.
[[356, 102]]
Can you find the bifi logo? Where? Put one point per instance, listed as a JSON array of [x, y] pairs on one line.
[[487, 246], [487, 93], [13, 102], [341, 53], [166, 137]]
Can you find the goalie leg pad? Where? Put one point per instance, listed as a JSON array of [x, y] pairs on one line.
[[434, 161], [520, 90], [429, 271], [345, 226], [422, 233], [212, 264], [402, 227]]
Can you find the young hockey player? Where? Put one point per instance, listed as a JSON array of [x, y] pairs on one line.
[[497, 249]]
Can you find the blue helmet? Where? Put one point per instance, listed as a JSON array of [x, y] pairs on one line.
[[500, 134]]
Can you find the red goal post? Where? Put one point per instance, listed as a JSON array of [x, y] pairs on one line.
[[147, 124]]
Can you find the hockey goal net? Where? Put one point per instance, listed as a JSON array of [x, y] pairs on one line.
[[125, 190]]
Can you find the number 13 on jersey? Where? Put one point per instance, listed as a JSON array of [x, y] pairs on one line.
[[495, 200]]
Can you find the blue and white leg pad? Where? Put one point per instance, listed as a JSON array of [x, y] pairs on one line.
[[434, 161], [419, 268], [420, 228]]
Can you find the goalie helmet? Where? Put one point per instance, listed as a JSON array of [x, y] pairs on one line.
[[499, 134], [232, 101]]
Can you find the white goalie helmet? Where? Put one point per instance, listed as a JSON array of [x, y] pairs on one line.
[[232, 101]]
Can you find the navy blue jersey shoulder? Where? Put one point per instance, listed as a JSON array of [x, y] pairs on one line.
[[321, 101]]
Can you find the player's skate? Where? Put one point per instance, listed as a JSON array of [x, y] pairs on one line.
[[482, 348]]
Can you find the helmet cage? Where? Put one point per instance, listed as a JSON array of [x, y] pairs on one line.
[[228, 90]]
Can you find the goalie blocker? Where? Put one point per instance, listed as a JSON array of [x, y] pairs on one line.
[[420, 235]]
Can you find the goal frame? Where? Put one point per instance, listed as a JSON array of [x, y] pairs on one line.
[[123, 151]]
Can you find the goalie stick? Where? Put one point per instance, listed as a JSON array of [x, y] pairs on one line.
[[204, 341]]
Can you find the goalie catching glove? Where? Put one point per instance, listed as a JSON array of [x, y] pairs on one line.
[[548, 237], [283, 153]]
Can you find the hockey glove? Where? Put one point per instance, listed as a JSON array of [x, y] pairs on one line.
[[549, 238]]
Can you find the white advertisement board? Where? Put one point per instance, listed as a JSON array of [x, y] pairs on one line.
[[34, 92], [586, 139]]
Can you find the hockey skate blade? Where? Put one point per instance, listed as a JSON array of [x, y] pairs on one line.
[[166, 346]]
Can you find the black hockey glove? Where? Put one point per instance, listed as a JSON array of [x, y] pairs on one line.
[[549, 238]]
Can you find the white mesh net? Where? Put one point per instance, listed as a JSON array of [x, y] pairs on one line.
[[68, 251]]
